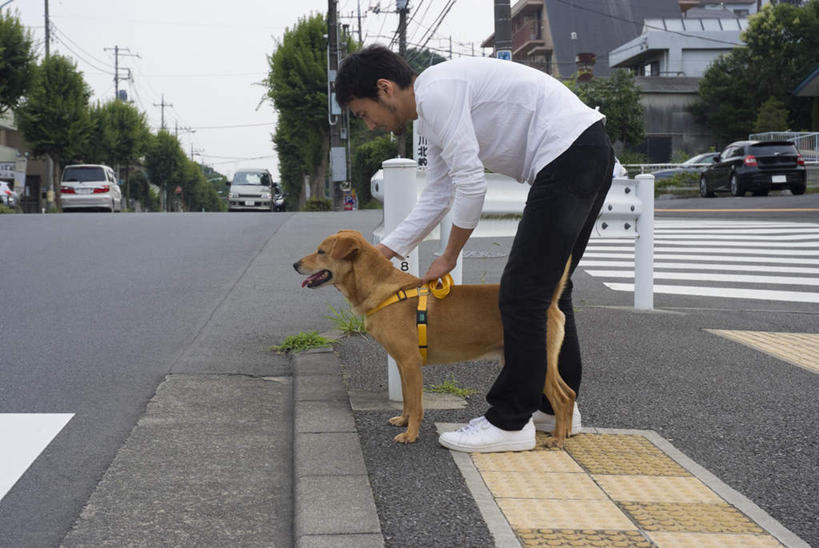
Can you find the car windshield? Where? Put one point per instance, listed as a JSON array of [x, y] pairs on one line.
[[83, 174], [699, 158], [251, 178], [773, 149]]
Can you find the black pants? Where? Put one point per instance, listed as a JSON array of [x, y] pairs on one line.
[[558, 218]]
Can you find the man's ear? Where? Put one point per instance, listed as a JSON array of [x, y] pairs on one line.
[[385, 86], [345, 248]]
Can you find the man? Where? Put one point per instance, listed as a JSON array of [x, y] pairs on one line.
[[515, 120]]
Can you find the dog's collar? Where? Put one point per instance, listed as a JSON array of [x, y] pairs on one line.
[[404, 294]]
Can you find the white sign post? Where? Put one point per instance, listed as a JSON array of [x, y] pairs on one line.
[[400, 195]]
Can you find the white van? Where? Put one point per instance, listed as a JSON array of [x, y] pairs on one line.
[[90, 186], [254, 189]]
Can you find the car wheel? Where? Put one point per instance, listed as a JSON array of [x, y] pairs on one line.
[[797, 190], [704, 192], [736, 187]]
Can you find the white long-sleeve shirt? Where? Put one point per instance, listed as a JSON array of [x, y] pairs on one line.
[[483, 112]]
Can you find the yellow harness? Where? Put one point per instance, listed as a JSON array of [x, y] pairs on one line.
[[422, 293]]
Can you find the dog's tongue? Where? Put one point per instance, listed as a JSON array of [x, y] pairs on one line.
[[312, 278]]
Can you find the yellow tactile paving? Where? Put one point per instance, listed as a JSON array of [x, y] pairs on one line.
[[527, 461], [564, 514], [610, 490], [705, 540], [537, 485], [800, 349], [656, 489], [621, 454], [691, 517], [571, 537]]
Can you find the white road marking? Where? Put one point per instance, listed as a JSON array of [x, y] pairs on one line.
[[711, 277], [718, 252], [752, 251], [23, 437], [726, 258], [726, 292]]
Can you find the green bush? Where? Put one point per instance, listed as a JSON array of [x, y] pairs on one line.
[[318, 204], [6, 209], [678, 183]]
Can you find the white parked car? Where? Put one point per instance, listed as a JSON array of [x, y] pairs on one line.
[[7, 195], [90, 186]]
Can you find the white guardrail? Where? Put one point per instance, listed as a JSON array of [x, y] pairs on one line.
[[627, 213]]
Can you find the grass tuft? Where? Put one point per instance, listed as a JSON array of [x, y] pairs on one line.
[[302, 342]]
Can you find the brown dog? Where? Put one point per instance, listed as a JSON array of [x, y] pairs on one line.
[[466, 325]]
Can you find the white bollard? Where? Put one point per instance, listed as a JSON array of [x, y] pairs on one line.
[[644, 246], [446, 229], [400, 195]]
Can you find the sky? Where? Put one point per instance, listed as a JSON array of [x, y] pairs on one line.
[[207, 58]]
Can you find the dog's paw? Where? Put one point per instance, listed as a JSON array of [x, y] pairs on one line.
[[400, 420], [554, 442], [405, 437]]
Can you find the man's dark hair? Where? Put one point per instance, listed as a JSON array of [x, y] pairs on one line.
[[359, 72]]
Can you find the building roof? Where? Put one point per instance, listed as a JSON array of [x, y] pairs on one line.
[[651, 84], [705, 13], [720, 35], [600, 26]]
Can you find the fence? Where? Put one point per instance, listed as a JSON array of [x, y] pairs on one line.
[[628, 212]]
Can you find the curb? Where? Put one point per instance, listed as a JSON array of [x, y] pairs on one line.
[[333, 500]]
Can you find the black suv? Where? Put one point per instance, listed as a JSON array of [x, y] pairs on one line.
[[756, 166]]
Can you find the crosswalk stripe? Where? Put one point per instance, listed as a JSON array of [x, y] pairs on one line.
[[753, 251], [711, 277], [727, 292], [705, 266], [24, 437], [716, 254], [683, 257]]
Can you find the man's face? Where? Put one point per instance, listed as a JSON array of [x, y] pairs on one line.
[[382, 113]]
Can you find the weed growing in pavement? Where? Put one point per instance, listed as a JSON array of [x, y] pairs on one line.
[[450, 386], [302, 342], [347, 322]]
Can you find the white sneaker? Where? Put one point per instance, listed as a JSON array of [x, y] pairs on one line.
[[546, 423], [481, 436]]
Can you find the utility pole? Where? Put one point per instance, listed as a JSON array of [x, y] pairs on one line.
[[338, 156], [47, 31], [503, 30], [360, 40], [117, 52], [163, 104], [402, 6]]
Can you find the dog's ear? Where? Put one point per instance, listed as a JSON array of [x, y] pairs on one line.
[[346, 247]]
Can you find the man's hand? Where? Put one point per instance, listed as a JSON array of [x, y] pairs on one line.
[[439, 268]]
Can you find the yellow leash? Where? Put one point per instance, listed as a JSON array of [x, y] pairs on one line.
[[422, 293]]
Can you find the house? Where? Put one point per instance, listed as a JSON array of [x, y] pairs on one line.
[[669, 58], [561, 36], [16, 168], [680, 46]]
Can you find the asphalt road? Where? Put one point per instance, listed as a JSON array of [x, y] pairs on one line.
[[98, 309]]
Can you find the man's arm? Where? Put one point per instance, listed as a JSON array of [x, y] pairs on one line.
[[444, 264]]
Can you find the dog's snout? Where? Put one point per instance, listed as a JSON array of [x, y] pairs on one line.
[[296, 265]]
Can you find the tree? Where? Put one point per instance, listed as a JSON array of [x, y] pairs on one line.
[[297, 86], [773, 116], [782, 47], [17, 62], [619, 99], [119, 136], [367, 159], [728, 97], [165, 161], [55, 117]]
